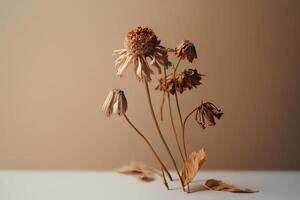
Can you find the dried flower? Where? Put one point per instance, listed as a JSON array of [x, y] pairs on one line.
[[187, 79], [141, 44], [206, 114], [192, 165], [186, 49], [115, 102]]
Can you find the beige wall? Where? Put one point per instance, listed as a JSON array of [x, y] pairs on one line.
[[56, 69]]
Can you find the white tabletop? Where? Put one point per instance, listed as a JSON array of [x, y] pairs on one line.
[[84, 185]]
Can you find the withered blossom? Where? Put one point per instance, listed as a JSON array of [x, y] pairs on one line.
[[206, 114], [188, 79], [115, 102], [186, 49], [140, 45]]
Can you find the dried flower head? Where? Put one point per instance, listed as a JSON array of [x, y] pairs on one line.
[[206, 114], [186, 49], [140, 45], [187, 79], [115, 102]]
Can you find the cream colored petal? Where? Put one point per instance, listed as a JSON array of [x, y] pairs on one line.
[[107, 105], [120, 105], [116, 107], [155, 64], [146, 69], [139, 69], [119, 52], [121, 60], [123, 66]]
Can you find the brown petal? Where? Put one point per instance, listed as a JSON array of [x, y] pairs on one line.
[[209, 116], [192, 165], [218, 185], [139, 170]]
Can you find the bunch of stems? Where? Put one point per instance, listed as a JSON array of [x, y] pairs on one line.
[[182, 151]]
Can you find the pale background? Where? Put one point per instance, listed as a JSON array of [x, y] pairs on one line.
[[56, 69]]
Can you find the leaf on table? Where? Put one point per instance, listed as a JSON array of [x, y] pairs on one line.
[[139, 170], [192, 165], [218, 185]]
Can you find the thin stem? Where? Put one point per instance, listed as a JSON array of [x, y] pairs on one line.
[[183, 130], [159, 132], [176, 67], [151, 147], [171, 117], [181, 122], [164, 178], [178, 106], [162, 105]]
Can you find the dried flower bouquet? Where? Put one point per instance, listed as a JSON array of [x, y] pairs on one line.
[[143, 52]]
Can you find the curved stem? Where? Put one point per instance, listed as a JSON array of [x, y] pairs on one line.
[[171, 117], [176, 67], [159, 132], [178, 108], [183, 130], [151, 147]]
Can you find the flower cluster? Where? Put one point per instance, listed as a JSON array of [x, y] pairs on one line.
[[188, 79], [143, 51]]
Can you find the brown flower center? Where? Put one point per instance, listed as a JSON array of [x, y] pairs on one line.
[[141, 41]]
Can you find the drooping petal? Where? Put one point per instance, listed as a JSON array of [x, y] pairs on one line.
[[120, 105], [124, 65], [146, 71], [120, 60], [186, 49], [206, 114], [107, 107], [155, 64], [139, 69], [119, 52]]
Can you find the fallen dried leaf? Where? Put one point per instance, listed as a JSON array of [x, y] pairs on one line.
[[192, 165], [218, 185], [139, 170]]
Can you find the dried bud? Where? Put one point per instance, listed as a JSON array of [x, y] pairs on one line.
[[115, 103], [186, 49], [187, 79], [206, 114]]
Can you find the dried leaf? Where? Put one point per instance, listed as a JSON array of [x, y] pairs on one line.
[[218, 185], [139, 170], [192, 165]]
